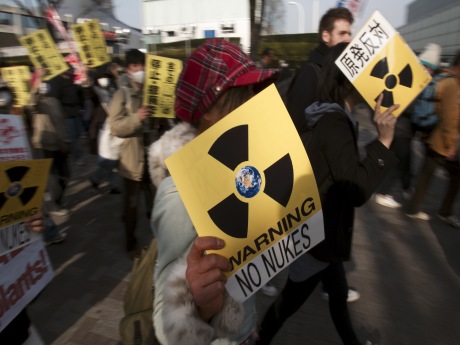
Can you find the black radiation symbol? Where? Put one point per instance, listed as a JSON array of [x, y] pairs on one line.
[[231, 149], [15, 176], [381, 71]]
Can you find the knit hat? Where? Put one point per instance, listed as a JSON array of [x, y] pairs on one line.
[[431, 55], [210, 70]]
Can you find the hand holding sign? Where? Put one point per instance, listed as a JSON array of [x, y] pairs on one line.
[[205, 275], [35, 223], [385, 122]]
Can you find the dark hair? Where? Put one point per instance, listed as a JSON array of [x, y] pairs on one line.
[[134, 56], [328, 19], [333, 85], [456, 60], [267, 51]]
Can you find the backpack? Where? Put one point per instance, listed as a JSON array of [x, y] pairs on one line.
[[136, 327], [284, 86], [424, 115]]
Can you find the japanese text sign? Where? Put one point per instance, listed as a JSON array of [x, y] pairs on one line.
[[378, 61], [160, 85], [18, 78], [91, 43], [44, 54]]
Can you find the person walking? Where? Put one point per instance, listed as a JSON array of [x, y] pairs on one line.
[[344, 182], [334, 28], [108, 145], [129, 119], [51, 139], [191, 305], [441, 147]]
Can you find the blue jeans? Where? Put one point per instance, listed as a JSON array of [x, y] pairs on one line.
[[105, 169]]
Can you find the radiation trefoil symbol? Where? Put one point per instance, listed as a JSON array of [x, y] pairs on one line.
[[231, 149], [15, 190], [403, 78]]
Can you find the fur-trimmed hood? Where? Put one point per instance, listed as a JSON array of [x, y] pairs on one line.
[[170, 142]]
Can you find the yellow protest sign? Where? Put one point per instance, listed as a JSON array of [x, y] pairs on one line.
[[18, 78], [91, 43], [248, 180], [160, 84], [378, 60], [44, 54], [22, 185]]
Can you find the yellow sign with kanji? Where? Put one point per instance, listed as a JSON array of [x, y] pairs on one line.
[[22, 185], [249, 181], [378, 60], [18, 78], [44, 54], [160, 85], [91, 43]]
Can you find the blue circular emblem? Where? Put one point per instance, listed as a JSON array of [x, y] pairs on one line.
[[14, 189], [248, 181]]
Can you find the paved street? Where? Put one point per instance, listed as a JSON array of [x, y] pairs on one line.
[[407, 271]]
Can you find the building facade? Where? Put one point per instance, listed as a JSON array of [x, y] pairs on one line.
[[431, 21], [168, 21], [16, 22]]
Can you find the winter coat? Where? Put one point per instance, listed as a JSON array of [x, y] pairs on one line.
[[175, 315], [344, 180], [304, 87], [445, 135], [49, 128], [125, 123], [69, 94]]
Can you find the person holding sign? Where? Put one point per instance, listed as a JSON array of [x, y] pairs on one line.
[[129, 119], [191, 305], [344, 182]]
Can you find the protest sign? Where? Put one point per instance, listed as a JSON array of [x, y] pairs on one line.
[[44, 54], [378, 61], [18, 79], [23, 274], [22, 185], [160, 84], [14, 145], [248, 180], [91, 43]]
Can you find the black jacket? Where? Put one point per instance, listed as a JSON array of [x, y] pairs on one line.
[[302, 92], [344, 181], [69, 94]]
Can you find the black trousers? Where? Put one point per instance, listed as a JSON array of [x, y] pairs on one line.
[[431, 162], [295, 294], [131, 197]]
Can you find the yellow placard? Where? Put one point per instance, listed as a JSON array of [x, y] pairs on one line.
[[378, 60], [248, 180], [22, 185], [91, 43], [18, 78], [44, 54], [160, 84]]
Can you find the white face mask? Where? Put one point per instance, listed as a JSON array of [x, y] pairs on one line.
[[138, 76], [103, 82], [43, 88]]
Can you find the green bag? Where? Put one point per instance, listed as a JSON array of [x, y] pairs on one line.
[[136, 327]]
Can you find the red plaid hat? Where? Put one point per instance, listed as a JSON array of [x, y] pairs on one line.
[[210, 70]]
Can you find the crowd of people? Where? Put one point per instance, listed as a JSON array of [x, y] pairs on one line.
[[191, 305]]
